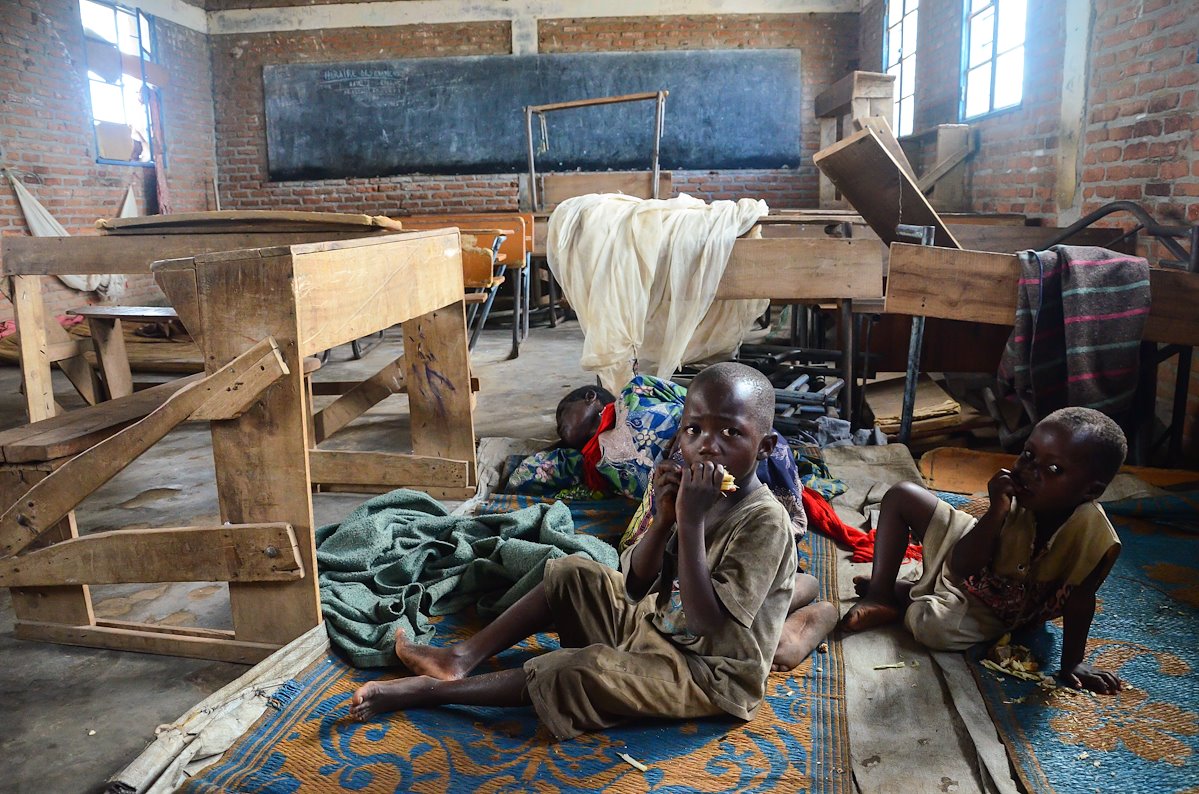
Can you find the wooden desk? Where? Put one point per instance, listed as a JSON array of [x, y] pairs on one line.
[[309, 298], [108, 340], [983, 287], [43, 342]]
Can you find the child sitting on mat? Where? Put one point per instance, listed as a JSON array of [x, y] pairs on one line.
[[689, 632], [1041, 550]]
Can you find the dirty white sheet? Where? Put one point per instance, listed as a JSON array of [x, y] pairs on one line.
[[641, 274], [42, 224]]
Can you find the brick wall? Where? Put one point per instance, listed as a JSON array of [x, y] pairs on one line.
[[828, 42], [46, 137]]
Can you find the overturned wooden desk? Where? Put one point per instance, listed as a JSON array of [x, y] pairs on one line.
[[310, 298], [257, 314]]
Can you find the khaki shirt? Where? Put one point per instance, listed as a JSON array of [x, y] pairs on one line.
[[751, 556]]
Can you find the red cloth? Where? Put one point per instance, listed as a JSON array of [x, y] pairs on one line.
[[591, 451], [823, 517]]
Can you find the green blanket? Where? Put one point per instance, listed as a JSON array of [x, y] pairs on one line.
[[400, 558]]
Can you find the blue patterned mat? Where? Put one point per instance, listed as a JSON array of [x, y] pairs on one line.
[[798, 742], [1144, 739]]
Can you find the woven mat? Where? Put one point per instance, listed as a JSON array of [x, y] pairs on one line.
[[798, 742], [1144, 739]]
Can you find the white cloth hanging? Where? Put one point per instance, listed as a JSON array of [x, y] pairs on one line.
[[641, 274], [42, 224]]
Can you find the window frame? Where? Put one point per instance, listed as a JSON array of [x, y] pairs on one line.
[[904, 55], [147, 53], [993, 58]]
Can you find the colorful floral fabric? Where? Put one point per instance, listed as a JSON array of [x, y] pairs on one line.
[[647, 417]]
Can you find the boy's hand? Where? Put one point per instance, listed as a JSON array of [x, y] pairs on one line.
[[1001, 489], [667, 476], [1083, 676], [698, 491]]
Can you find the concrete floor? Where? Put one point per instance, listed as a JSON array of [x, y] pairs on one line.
[[910, 730], [54, 696]]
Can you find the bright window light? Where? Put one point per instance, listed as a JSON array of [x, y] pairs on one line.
[[899, 57], [993, 55]]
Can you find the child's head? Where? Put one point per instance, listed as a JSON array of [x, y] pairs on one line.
[[1070, 457], [727, 418], [578, 414]]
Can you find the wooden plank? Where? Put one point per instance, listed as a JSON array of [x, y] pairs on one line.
[[838, 98], [803, 269], [886, 136], [52, 498], [70, 604], [30, 314], [1174, 294], [135, 253], [108, 338], [437, 371], [967, 471], [556, 188], [177, 280], [242, 553], [946, 180], [239, 395], [359, 400], [387, 470], [267, 220], [1008, 239], [982, 287], [351, 289], [73, 432], [954, 285], [261, 457], [148, 639], [57, 351], [336, 388], [877, 187], [143, 314]]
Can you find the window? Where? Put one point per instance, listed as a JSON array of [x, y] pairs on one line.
[[122, 80], [899, 55], [993, 56]]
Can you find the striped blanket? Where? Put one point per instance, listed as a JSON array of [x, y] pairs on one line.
[[1079, 316]]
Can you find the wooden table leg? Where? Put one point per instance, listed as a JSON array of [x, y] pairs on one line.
[[108, 339], [261, 458], [438, 377]]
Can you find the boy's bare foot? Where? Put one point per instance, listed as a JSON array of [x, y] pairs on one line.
[[868, 614], [804, 630], [445, 664], [903, 588], [378, 697]]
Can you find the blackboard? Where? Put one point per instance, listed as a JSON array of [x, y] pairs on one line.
[[726, 109]]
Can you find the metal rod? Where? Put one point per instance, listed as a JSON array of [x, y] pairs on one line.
[[847, 359], [604, 100], [915, 342], [658, 121], [532, 161]]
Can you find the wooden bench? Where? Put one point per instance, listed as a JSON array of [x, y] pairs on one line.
[[51, 466], [108, 340]]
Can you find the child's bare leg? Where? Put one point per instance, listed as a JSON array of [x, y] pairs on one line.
[[806, 626], [505, 688], [903, 588], [906, 510], [526, 617]]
